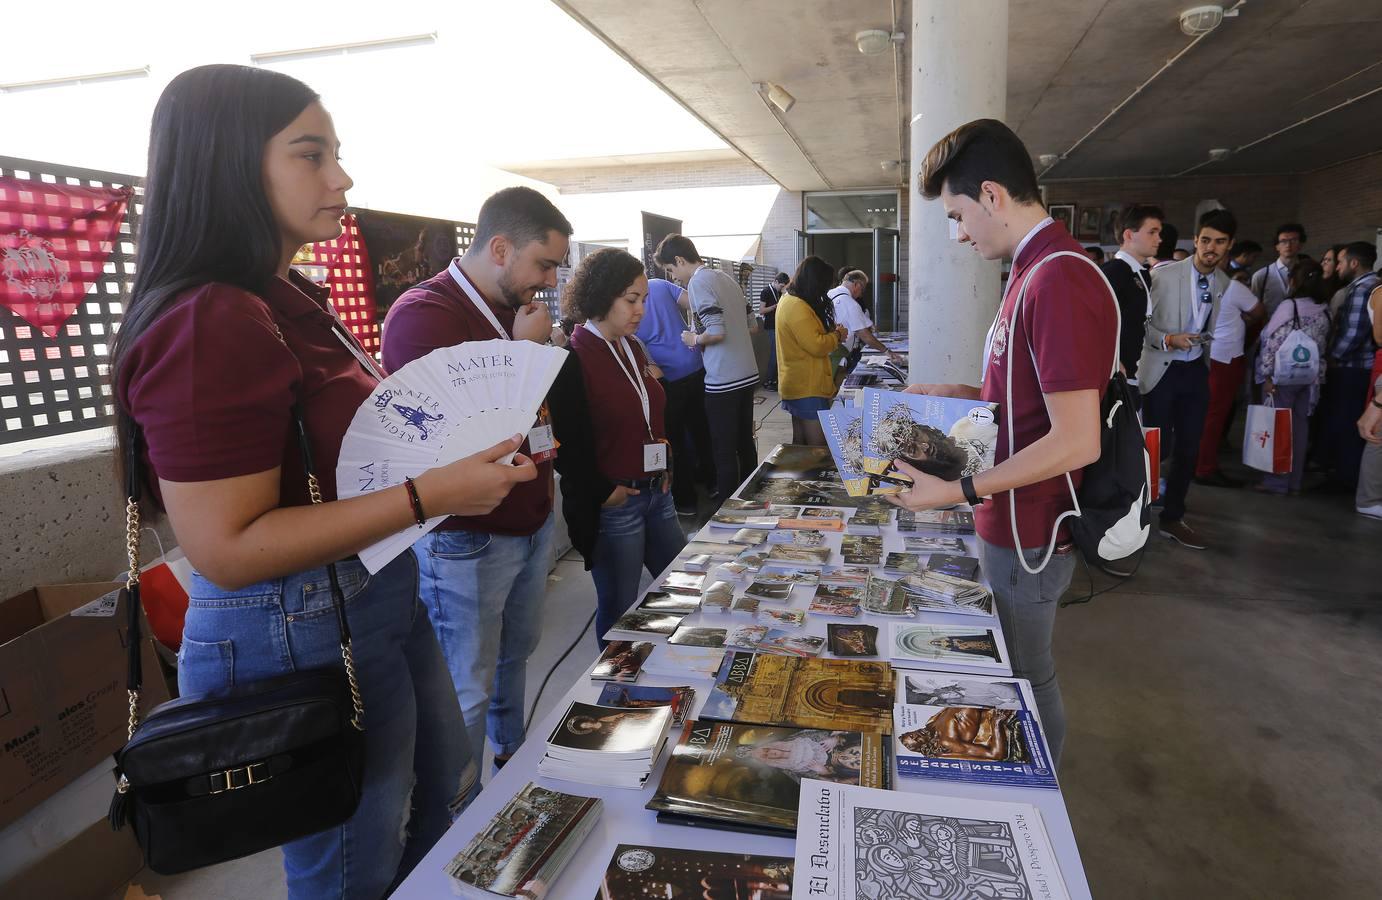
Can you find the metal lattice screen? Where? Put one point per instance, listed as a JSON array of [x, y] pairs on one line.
[[59, 385]]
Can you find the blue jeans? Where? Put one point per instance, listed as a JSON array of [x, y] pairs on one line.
[[484, 594], [1027, 611], [641, 532], [417, 763]]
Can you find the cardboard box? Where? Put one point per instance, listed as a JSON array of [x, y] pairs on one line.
[[63, 706], [95, 865]]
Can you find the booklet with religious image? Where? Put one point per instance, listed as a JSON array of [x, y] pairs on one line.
[[640, 871], [941, 436], [807, 692], [857, 843], [844, 436], [978, 744], [947, 647]]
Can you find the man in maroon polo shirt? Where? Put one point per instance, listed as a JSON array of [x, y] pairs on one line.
[[483, 578], [1063, 345]]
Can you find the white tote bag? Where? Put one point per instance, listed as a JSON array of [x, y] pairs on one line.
[[1267, 439]]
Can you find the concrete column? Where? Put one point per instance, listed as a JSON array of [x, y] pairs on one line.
[[959, 54]]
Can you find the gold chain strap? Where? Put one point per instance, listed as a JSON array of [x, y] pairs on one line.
[[131, 580], [347, 655]]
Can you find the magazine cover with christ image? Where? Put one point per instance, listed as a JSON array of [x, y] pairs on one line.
[[941, 436], [969, 728]]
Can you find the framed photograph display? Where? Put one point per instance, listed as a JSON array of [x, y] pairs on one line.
[[1063, 213], [1088, 222]]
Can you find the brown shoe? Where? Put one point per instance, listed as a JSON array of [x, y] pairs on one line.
[[1182, 534]]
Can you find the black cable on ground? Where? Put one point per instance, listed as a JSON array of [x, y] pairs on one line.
[[1122, 580], [533, 709]]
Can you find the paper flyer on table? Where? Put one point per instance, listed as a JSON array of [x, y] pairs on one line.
[[858, 843]]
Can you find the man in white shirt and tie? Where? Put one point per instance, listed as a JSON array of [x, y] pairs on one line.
[[1271, 283], [1173, 374]]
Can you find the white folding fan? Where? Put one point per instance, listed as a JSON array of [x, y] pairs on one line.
[[451, 403]]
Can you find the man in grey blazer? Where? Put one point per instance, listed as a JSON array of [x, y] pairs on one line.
[[1173, 373]]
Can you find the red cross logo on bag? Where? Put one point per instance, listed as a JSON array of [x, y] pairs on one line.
[[1262, 438]]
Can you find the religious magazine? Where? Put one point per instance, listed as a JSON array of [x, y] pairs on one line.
[[979, 744], [523, 849], [941, 436], [747, 777], [856, 843], [844, 436], [948, 646], [638, 871], [809, 693]]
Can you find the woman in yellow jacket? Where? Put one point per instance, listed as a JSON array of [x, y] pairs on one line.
[[806, 336]]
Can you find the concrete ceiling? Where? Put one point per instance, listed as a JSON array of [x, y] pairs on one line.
[[1070, 63]]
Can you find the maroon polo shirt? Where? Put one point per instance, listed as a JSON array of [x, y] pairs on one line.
[[1070, 320], [212, 386], [616, 412], [437, 313]]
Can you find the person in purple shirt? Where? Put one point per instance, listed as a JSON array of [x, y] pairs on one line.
[[684, 382]]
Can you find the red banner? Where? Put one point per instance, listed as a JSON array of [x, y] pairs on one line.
[[351, 280], [54, 243]]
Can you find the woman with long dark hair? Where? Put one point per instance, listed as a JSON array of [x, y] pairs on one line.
[[617, 504], [220, 341], [806, 336]]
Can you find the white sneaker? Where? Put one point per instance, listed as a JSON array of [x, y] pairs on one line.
[[1374, 512]]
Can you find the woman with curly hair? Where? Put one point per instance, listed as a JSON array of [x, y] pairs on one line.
[[806, 336], [618, 506]]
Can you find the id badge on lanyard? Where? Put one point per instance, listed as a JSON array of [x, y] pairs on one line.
[[655, 457], [542, 444]]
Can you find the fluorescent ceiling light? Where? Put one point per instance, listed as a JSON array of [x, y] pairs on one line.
[[409, 40], [69, 80]]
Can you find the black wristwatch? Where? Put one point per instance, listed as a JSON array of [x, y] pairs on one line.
[[967, 485]]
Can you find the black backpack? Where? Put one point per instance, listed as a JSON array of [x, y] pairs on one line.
[[1112, 514]]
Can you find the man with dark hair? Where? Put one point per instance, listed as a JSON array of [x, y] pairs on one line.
[[1272, 283], [1241, 316], [1139, 237], [1062, 348], [768, 298], [1173, 374], [1242, 257], [1351, 353], [483, 579], [731, 372]]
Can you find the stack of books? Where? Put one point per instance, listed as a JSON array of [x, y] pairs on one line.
[[523, 849], [895, 565], [606, 745]]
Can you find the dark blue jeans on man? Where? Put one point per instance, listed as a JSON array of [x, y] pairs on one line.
[[1178, 406]]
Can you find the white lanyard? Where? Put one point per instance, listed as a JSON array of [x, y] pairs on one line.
[[636, 379], [360, 355], [459, 277]]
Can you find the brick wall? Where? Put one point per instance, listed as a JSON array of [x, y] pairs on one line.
[[1261, 202], [1342, 203]]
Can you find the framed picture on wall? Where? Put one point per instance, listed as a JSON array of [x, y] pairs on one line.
[[1109, 232], [1063, 213], [1090, 218]]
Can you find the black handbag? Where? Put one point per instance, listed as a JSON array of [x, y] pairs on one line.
[[206, 779]]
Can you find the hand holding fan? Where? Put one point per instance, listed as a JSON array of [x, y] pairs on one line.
[[445, 406]]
